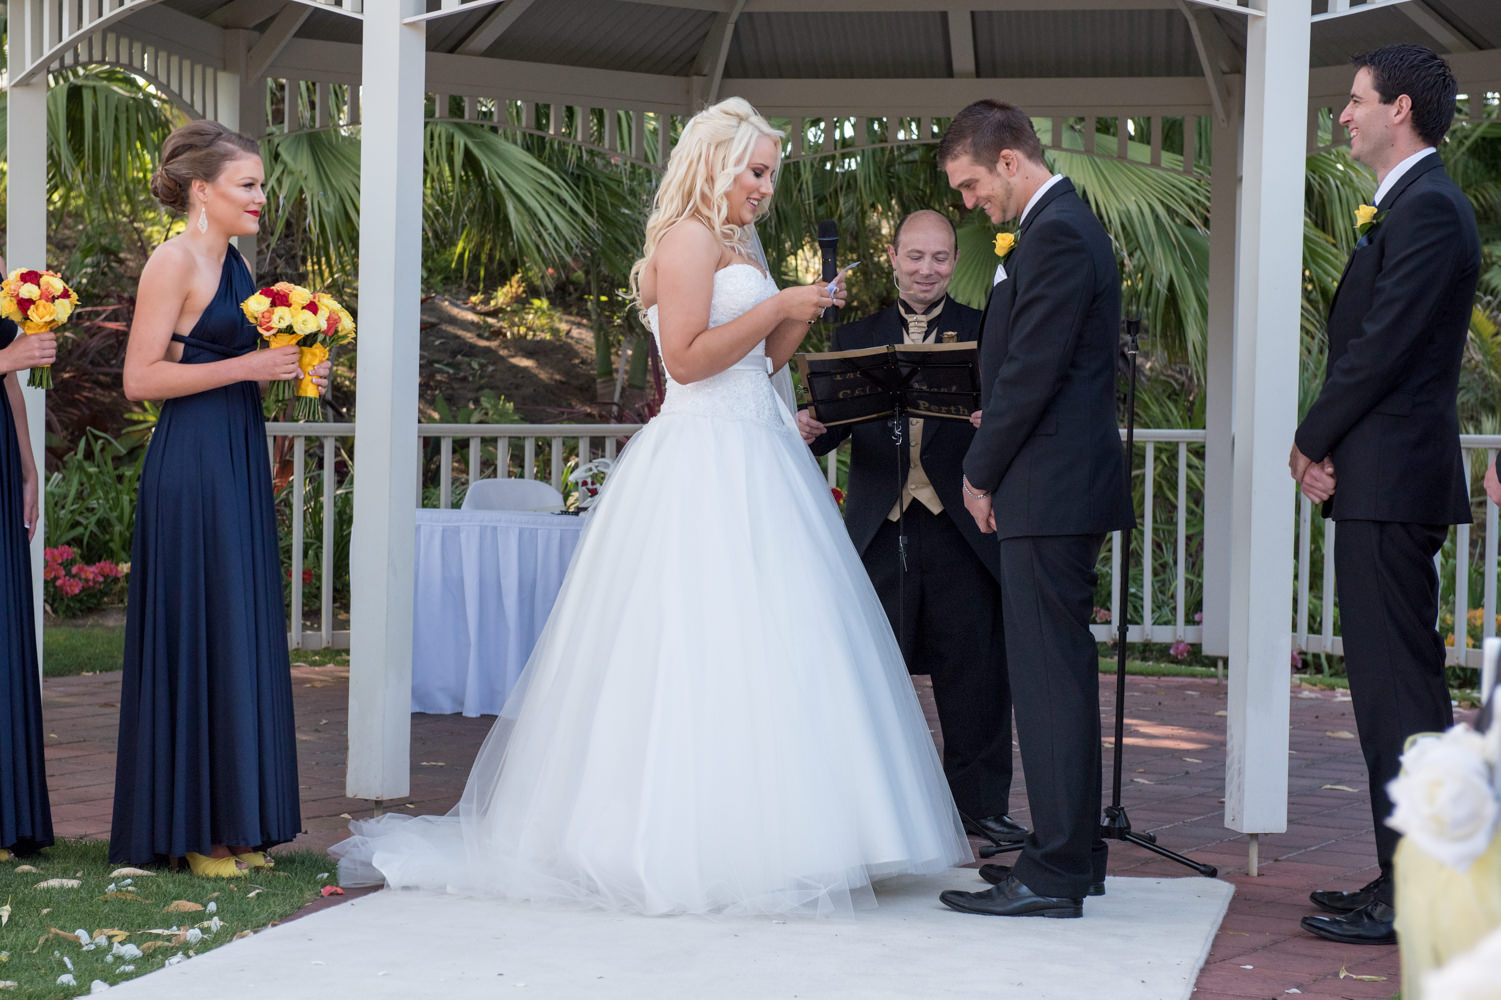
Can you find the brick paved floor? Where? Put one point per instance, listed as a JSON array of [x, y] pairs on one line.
[[1173, 786]]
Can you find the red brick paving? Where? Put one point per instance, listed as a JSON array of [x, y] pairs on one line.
[[1173, 786]]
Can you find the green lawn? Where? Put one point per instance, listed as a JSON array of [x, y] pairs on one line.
[[145, 920], [69, 650]]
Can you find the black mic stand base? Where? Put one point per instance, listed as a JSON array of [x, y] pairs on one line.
[[1117, 826]]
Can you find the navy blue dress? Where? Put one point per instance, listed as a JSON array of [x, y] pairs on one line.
[[207, 751], [25, 816]]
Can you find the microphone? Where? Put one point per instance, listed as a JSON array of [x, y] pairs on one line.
[[828, 249]]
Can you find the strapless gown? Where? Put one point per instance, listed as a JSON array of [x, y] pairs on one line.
[[716, 717]]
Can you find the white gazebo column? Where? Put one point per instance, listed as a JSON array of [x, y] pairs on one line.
[[380, 675], [1224, 221], [1268, 279], [241, 106], [26, 231]]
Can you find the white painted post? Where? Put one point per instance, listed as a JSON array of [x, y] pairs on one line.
[[1224, 204], [1268, 271], [380, 676], [26, 234]]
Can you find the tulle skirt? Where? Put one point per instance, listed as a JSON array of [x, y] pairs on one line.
[[716, 717]]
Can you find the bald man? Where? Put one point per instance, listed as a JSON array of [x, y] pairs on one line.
[[949, 622]]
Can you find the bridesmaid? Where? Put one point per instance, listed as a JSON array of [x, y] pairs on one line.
[[25, 816], [207, 766]]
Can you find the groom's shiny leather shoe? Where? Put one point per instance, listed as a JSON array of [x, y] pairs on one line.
[[996, 874], [1334, 901], [1011, 899], [996, 829], [1373, 923]]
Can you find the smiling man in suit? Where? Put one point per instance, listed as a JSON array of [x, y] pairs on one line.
[[946, 612], [1046, 474], [1380, 446]]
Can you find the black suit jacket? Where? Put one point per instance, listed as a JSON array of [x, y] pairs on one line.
[[1048, 445], [1397, 332], [876, 469]]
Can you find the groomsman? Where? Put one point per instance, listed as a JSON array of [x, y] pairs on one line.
[[1380, 446], [1045, 474], [948, 617]]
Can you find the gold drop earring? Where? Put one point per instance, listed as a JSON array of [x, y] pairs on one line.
[[203, 218]]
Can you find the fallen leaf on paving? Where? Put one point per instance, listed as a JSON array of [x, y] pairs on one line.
[[243, 934], [434, 763], [1338, 788], [1340, 734], [1143, 781], [1345, 973], [1193, 760], [182, 906], [1222, 713], [130, 872], [58, 883], [345, 816]]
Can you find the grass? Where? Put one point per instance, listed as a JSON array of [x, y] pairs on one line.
[[155, 913], [70, 650]]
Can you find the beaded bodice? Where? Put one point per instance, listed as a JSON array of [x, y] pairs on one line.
[[742, 391]]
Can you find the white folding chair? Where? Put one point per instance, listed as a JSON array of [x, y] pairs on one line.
[[512, 494]]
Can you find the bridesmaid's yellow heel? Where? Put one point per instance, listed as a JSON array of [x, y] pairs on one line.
[[206, 867], [5, 855], [257, 859]]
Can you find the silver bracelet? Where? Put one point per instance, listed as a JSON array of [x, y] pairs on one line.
[[981, 495]]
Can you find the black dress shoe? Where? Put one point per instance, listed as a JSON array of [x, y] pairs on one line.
[[1373, 923], [996, 874], [1011, 899], [996, 829], [1334, 901]]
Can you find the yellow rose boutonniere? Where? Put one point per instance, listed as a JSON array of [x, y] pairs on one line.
[[1366, 219], [1004, 244]]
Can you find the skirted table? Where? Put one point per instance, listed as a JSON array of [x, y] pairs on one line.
[[485, 582]]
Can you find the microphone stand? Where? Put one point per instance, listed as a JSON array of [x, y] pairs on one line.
[[1117, 825]]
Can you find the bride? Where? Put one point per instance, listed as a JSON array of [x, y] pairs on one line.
[[716, 717]]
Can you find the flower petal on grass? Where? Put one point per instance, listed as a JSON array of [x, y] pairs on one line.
[[58, 883], [129, 872]]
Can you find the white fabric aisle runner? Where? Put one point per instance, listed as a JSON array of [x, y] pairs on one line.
[[1145, 940]]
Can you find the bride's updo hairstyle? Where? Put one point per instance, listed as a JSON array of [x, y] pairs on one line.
[[714, 148], [197, 151]]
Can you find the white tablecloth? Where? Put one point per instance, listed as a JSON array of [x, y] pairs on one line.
[[485, 580]]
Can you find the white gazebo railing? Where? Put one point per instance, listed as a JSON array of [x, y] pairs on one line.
[[467, 452]]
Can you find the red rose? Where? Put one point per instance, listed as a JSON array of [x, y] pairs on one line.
[[837, 493], [279, 297], [31, 277]]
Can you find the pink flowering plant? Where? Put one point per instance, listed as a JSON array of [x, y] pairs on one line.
[[71, 587]]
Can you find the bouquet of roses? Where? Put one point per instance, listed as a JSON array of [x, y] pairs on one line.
[[38, 301], [288, 314]]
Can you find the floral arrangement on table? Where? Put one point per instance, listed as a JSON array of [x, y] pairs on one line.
[[71, 586], [313, 322], [37, 301], [1447, 804], [589, 480]]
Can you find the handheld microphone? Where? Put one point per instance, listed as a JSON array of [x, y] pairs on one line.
[[828, 249]]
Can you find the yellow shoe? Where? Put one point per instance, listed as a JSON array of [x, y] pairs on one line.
[[6, 855], [257, 859], [206, 867]]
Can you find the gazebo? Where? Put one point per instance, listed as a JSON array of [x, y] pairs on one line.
[[594, 72]]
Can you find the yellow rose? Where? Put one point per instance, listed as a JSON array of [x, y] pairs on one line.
[[305, 322], [43, 312], [281, 317], [283, 339], [254, 306], [1004, 244], [1364, 215], [28, 291], [53, 285], [64, 309], [300, 296], [309, 358], [10, 310]]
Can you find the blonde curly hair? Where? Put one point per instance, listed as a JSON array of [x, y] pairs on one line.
[[714, 148]]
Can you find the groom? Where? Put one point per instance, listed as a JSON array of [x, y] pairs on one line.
[[1045, 473], [1385, 427]]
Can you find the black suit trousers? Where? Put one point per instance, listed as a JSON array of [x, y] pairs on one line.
[[1047, 593], [949, 626], [1388, 603]]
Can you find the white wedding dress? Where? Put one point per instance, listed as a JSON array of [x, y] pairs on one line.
[[716, 717]]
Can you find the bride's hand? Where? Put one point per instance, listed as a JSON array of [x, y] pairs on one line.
[[807, 302], [273, 364]]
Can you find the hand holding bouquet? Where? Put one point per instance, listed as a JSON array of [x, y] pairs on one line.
[[288, 314], [39, 301]]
